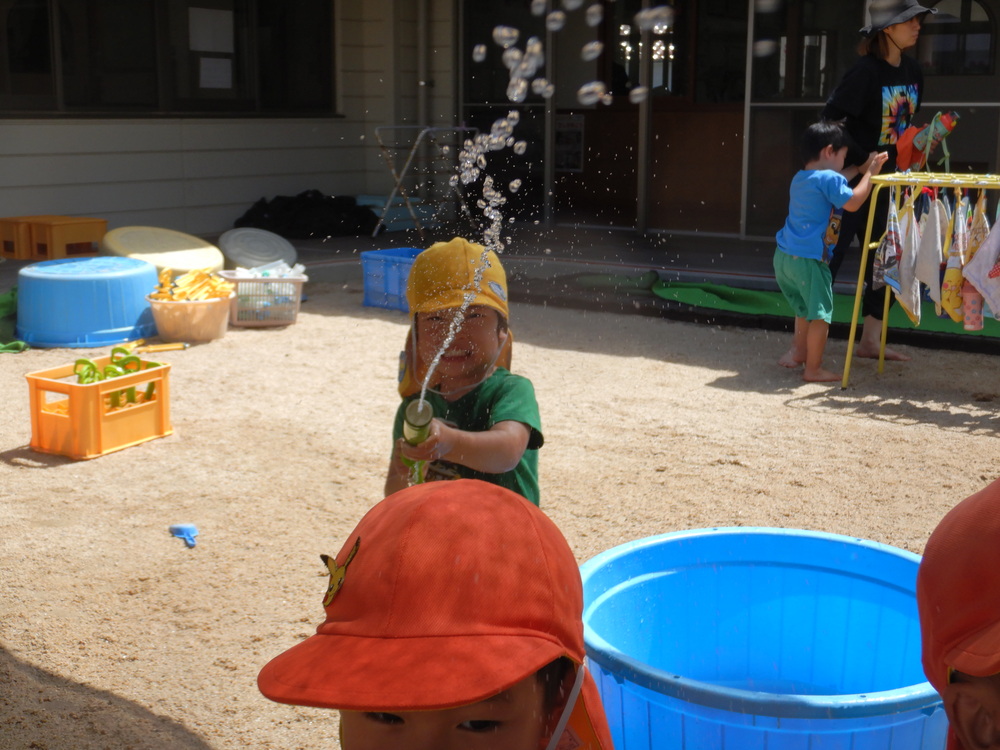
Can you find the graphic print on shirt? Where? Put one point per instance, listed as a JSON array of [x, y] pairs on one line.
[[832, 234], [898, 105]]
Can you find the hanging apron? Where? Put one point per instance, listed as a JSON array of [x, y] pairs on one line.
[[972, 300], [951, 286]]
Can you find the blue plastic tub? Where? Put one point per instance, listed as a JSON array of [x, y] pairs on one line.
[[758, 638], [85, 302], [386, 272]]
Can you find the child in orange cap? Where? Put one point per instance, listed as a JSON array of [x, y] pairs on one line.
[[453, 620], [958, 595], [486, 423]]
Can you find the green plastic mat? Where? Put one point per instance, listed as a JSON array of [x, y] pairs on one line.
[[8, 311], [754, 302]]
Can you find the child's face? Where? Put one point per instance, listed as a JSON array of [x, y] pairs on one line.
[[840, 156], [513, 720], [473, 350]]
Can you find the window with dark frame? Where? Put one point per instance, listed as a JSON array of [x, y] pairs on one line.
[[958, 40], [166, 57]]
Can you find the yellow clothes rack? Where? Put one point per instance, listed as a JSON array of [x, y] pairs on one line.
[[912, 180]]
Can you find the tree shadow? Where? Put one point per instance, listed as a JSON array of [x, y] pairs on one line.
[[41, 710]]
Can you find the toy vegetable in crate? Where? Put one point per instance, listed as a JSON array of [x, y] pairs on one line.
[[122, 362]]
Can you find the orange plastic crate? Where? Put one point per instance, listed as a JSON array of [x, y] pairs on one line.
[[80, 420], [55, 237], [15, 236]]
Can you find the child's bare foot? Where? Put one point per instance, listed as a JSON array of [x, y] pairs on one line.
[[871, 352], [790, 359], [819, 375]]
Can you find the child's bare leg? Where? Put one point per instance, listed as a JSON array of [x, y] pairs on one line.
[[797, 354], [817, 332]]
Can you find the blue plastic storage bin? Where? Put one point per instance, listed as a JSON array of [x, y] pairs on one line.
[[85, 302], [759, 638], [386, 272]]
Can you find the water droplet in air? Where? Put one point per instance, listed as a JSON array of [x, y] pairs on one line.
[[505, 36], [764, 47], [572, 4], [591, 93], [607, 99], [453, 180], [538, 7], [520, 147], [514, 186], [511, 57], [638, 94], [591, 51], [555, 20], [548, 91], [479, 53], [595, 14], [538, 85], [517, 89], [650, 18]]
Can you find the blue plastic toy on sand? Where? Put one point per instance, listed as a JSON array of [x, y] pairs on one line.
[[185, 531]]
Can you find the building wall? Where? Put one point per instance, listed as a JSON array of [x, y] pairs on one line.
[[198, 175]]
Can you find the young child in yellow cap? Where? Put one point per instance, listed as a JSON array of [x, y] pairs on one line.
[[453, 621], [486, 422], [958, 597]]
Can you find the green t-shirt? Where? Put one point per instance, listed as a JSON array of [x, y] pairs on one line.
[[501, 397]]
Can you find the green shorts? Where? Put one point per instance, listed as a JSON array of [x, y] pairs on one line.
[[807, 285]]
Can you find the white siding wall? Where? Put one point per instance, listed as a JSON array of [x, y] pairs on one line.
[[199, 175]]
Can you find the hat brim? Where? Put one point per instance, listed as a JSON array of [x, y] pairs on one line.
[[903, 17], [360, 673], [979, 654]]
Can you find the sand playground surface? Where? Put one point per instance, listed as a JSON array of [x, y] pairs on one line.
[[113, 634]]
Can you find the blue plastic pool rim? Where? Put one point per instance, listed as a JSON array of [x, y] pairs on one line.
[[918, 696]]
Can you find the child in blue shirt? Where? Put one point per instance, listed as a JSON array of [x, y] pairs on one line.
[[818, 195]]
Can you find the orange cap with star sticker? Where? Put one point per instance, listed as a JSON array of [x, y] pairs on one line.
[[446, 594]]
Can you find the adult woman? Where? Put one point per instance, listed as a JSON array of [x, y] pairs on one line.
[[877, 99]]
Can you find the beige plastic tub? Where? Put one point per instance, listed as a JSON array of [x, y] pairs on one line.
[[193, 322]]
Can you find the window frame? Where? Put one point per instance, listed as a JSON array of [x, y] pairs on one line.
[[223, 78]]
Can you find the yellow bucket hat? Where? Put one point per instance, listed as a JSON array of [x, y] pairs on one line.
[[441, 277], [443, 274]]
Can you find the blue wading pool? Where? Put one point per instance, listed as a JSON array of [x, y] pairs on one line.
[[759, 639], [85, 302]]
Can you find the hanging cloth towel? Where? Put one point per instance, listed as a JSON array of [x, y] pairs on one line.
[[908, 292], [929, 254], [887, 254], [984, 270], [951, 287], [972, 300]]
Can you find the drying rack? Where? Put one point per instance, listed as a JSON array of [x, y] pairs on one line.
[[912, 180], [431, 158]]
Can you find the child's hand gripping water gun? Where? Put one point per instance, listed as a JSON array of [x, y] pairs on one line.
[[416, 428]]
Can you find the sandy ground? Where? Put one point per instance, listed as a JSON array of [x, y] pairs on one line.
[[114, 635]]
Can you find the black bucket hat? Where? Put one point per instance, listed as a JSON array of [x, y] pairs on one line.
[[882, 13]]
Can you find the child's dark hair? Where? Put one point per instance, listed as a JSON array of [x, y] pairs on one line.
[[818, 136], [552, 678]]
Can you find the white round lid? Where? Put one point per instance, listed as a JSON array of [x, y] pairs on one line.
[[247, 247]]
